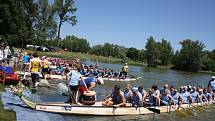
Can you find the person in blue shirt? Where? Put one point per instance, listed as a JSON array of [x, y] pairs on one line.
[[25, 60], [73, 81], [88, 84], [211, 84]]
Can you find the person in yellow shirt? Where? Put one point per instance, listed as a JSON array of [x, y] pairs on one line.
[[125, 70], [34, 69], [45, 66]]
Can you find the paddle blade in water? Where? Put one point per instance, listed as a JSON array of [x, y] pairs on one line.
[[154, 110], [181, 113]]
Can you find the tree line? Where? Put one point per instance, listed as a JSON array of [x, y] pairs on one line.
[[39, 22]]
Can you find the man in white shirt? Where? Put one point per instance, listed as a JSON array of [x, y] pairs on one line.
[[1, 56]]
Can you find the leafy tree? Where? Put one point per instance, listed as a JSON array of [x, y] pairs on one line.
[[189, 57], [165, 52], [152, 52], [45, 25], [65, 10], [133, 53], [17, 19], [75, 44]]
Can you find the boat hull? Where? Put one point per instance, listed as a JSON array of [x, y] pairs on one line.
[[122, 80]]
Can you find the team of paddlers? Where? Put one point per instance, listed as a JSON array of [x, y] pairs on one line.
[[136, 96]]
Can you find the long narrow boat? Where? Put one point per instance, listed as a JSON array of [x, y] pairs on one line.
[[122, 80], [40, 75], [98, 109]]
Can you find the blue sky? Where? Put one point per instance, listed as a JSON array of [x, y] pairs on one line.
[[130, 22]]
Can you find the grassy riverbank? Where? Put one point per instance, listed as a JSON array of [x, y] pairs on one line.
[[6, 115]]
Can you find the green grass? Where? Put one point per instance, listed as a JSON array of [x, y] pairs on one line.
[[6, 115]]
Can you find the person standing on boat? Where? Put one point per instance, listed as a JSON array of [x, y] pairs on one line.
[[116, 99], [34, 69], [73, 80], [124, 70], [88, 84], [211, 84]]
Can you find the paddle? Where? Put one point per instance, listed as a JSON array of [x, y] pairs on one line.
[[154, 110], [84, 84]]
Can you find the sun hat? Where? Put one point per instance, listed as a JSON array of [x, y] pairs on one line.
[[100, 80], [134, 89]]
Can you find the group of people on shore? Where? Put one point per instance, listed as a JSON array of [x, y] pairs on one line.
[[59, 66], [137, 96]]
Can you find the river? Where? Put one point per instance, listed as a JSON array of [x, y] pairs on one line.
[[149, 76]]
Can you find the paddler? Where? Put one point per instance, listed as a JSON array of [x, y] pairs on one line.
[[207, 95], [211, 84], [128, 93], [195, 95], [155, 96], [137, 99], [177, 97], [34, 69], [187, 99], [166, 98], [88, 84], [116, 99]]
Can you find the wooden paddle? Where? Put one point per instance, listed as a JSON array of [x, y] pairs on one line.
[[154, 110]]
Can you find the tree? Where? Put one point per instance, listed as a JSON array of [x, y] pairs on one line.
[[65, 10], [17, 18], [75, 44], [133, 53], [152, 52], [45, 25], [190, 56], [165, 52]]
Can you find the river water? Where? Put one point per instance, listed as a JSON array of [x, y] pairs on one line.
[[149, 76]]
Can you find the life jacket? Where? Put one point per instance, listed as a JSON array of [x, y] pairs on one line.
[[125, 68], [135, 99], [127, 95], [116, 98], [165, 100], [45, 64], [35, 66]]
